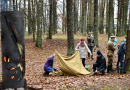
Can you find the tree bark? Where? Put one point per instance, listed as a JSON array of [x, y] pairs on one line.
[[39, 28], [101, 19], [96, 21], [50, 19], [110, 24], [54, 17], [63, 17], [70, 36], [29, 20], [107, 16]]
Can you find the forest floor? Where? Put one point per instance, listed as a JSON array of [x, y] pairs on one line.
[[36, 58]]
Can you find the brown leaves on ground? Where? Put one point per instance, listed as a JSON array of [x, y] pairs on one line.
[[36, 58]]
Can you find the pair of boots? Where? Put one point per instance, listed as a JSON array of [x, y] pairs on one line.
[[109, 69], [46, 73]]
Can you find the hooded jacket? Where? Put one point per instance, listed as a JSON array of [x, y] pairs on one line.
[[122, 48], [101, 61], [49, 63]]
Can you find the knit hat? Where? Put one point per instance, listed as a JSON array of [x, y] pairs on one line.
[[82, 40], [99, 53]]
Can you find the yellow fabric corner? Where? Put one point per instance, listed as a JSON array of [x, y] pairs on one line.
[[72, 66]]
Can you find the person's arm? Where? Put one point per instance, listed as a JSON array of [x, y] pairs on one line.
[[124, 48], [86, 46], [115, 40], [113, 47], [77, 47]]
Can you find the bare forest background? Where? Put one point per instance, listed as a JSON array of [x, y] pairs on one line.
[[47, 17]]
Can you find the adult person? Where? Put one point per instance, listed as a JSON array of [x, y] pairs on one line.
[[91, 44], [100, 64], [114, 42], [82, 47], [110, 52], [121, 51], [48, 67]]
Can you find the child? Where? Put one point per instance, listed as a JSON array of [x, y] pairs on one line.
[[48, 67], [82, 46]]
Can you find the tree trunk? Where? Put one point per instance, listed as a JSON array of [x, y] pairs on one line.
[[83, 18], [75, 16], [39, 28], [25, 16], [107, 16], [34, 20], [70, 36], [96, 21], [119, 19], [50, 19], [29, 20], [63, 17], [127, 54], [125, 15], [101, 19], [54, 17], [111, 24]]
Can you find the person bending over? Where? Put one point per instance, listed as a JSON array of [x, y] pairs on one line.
[[100, 64], [48, 67]]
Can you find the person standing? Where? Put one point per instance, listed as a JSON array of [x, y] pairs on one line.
[[114, 42], [100, 64], [110, 52], [91, 44], [121, 51], [82, 46]]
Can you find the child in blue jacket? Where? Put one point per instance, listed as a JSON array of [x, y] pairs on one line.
[[48, 67]]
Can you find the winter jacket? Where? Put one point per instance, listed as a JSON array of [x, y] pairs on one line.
[[49, 63], [101, 61], [110, 48], [114, 41], [122, 48], [82, 50], [90, 41]]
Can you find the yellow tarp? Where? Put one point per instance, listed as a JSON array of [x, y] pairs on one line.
[[72, 66]]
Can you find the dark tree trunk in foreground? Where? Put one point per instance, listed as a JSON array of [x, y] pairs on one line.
[[96, 21], [127, 54], [70, 35]]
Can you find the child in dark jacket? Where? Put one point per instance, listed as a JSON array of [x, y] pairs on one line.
[[48, 67], [100, 64]]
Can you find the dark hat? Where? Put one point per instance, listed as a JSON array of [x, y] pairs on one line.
[[99, 53]]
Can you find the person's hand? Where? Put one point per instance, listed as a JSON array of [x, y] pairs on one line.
[[91, 54], [96, 71]]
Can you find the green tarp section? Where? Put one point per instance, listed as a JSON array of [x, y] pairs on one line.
[[72, 66]]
